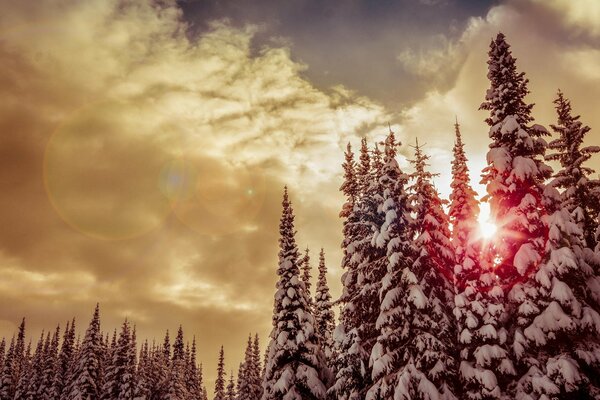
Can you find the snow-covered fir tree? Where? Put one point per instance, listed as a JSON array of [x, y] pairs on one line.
[[306, 273], [230, 394], [220, 381], [556, 329], [324, 316], [580, 193], [295, 365], [388, 357], [88, 364], [352, 359], [257, 376]]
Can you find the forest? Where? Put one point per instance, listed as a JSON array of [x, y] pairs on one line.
[[431, 308]]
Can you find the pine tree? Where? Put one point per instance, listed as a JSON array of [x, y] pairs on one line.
[[324, 316], [434, 347], [6, 382], [295, 364], [256, 379], [351, 377], [464, 207], [87, 369], [580, 194], [194, 387], [143, 371], [230, 395], [31, 371], [176, 389], [220, 381], [556, 339], [245, 374], [306, 275], [515, 182], [118, 381]]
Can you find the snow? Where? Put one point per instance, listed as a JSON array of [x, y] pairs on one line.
[[525, 257]]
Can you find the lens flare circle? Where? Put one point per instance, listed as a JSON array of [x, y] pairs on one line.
[[101, 166]]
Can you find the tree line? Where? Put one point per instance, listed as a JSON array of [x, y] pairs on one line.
[[430, 309]]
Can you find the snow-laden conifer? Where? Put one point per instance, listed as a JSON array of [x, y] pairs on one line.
[[88, 364], [324, 316], [295, 363], [220, 381]]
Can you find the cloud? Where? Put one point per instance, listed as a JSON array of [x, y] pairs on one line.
[[144, 169], [532, 28]]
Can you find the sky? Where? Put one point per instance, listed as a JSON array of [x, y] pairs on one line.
[[144, 145]]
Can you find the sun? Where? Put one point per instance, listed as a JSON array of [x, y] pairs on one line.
[[487, 228]]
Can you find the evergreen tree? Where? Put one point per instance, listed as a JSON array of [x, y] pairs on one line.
[[295, 364], [6, 381], [220, 381], [230, 395], [556, 339], [351, 377], [463, 208], [434, 347], [515, 182], [194, 387], [324, 316], [176, 385], [143, 381], [245, 374], [579, 193], [87, 368], [306, 275], [256, 377]]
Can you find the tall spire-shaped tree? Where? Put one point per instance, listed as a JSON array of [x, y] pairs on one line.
[[88, 366], [515, 182], [324, 316], [295, 366], [556, 338], [351, 377], [388, 359], [464, 207], [220, 382], [306, 275], [230, 395], [580, 193], [256, 381]]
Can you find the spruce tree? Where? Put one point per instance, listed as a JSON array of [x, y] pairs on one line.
[[295, 366], [230, 394], [557, 329], [515, 178], [324, 316], [176, 387], [256, 379], [306, 275], [87, 368], [245, 374], [220, 381], [434, 268], [579, 193]]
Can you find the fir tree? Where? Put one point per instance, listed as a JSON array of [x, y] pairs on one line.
[[351, 377], [230, 395], [220, 381], [176, 388], [245, 374], [256, 378], [579, 193], [464, 207], [324, 316], [295, 363], [306, 275], [515, 182], [87, 366]]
